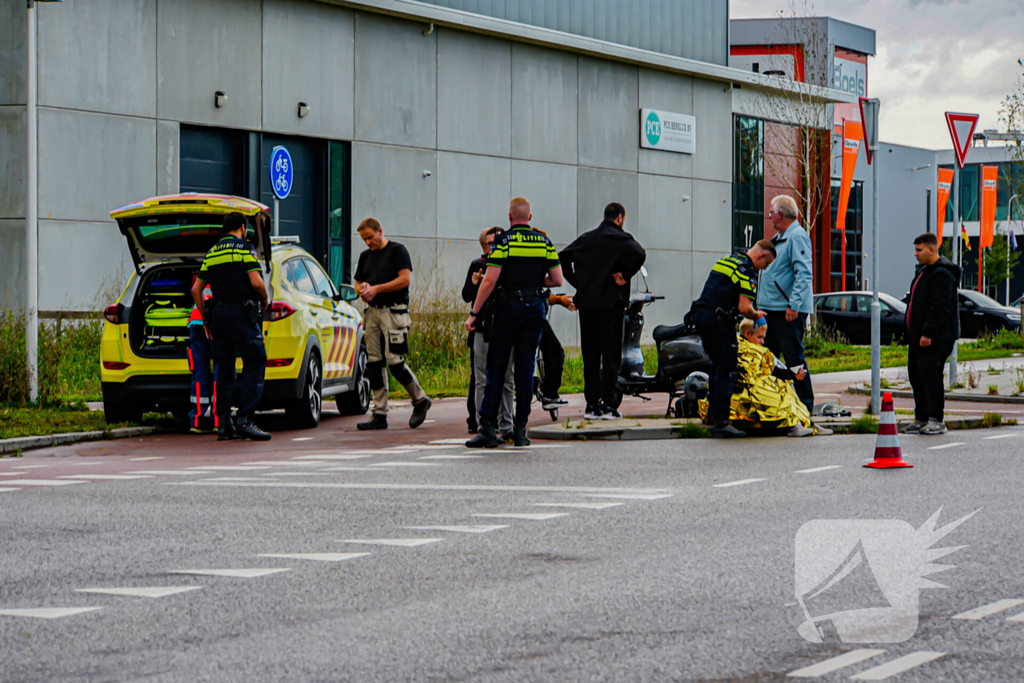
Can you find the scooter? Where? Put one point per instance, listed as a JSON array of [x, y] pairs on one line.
[[683, 366]]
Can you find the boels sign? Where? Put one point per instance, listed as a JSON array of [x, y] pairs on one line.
[[850, 77]]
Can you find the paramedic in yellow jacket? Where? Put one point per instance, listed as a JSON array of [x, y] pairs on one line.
[[764, 393]]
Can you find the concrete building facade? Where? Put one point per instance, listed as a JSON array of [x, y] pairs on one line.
[[428, 116]]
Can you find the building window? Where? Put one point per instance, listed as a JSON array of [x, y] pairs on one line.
[[748, 183], [212, 161], [339, 214], [854, 240]]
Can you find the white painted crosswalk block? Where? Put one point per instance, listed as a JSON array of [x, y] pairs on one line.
[[3, 490], [47, 612], [233, 573], [451, 457], [449, 442], [465, 529], [1000, 436], [349, 456], [531, 516], [738, 482], [106, 477], [1016, 617], [399, 542], [30, 467], [897, 666], [579, 506], [319, 557], [150, 592], [944, 446], [43, 482], [228, 468], [286, 463], [152, 457], [989, 609], [630, 496], [88, 464], [818, 469], [13, 474], [404, 464], [165, 472], [353, 469], [835, 663], [420, 447]]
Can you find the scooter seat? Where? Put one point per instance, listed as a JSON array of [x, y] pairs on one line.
[[668, 332]]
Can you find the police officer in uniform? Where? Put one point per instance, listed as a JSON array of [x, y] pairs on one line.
[[730, 288], [519, 268], [234, 319]]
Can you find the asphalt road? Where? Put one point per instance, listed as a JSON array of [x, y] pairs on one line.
[[654, 571]]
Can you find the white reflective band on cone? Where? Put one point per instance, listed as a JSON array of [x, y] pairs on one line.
[[887, 441], [888, 417]]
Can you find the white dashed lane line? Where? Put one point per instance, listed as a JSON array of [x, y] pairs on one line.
[[835, 663], [579, 506], [228, 468], [452, 457], [331, 457], [42, 482], [465, 529], [738, 482], [1000, 436], [166, 472], [399, 542], [319, 557], [944, 446], [897, 666], [529, 516], [152, 457], [150, 592], [47, 612], [818, 469], [404, 464], [630, 496], [989, 609], [108, 477], [233, 573]]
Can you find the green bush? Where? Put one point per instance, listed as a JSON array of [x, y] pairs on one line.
[[69, 360], [865, 424], [1003, 339]]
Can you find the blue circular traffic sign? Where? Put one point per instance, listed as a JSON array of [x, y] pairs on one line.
[[281, 172]]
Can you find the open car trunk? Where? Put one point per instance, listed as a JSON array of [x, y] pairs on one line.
[[158, 323]]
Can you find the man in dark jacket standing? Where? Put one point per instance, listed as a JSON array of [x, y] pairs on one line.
[[933, 326], [600, 264]]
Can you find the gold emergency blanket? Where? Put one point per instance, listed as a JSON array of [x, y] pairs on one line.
[[760, 397]]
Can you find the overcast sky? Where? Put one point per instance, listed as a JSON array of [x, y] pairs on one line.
[[933, 56]]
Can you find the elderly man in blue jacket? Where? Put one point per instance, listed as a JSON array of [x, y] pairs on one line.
[[786, 291]]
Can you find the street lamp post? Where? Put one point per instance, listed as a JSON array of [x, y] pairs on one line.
[[32, 217]]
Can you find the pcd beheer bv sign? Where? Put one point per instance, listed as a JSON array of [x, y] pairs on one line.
[[668, 131]]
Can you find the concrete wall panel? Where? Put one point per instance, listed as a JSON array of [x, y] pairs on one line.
[[609, 117], [702, 262], [319, 74], [395, 82], [96, 163], [669, 273], [13, 53], [472, 194], [597, 189], [453, 259], [664, 220], [92, 256], [544, 104], [551, 189], [712, 106], [12, 264], [168, 157], [204, 47], [712, 217], [388, 184], [13, 141], [474, 93], [668, 92], [99, 55]]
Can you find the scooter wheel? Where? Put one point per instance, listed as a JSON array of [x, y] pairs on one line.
[[554, 414]]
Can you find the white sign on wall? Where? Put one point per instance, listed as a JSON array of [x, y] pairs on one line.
[[668, 131]]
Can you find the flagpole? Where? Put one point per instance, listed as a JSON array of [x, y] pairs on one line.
[[1009, 229]]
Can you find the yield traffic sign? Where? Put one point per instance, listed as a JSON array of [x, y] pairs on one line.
[[961, 129]]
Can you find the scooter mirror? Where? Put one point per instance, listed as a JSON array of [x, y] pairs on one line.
[[643, 271]]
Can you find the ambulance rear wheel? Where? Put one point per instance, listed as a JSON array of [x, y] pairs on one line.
[[304, 413]]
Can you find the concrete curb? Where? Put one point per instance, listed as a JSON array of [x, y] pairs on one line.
[[950, 396], [674, 431], [24, 443]]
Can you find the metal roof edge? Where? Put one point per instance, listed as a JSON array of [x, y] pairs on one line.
[[468, 21]]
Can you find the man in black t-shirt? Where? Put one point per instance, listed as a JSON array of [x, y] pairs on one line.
[[382, 279]]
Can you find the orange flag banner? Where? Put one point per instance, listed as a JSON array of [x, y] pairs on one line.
[[853, 133], [945, 183], [989, 180]]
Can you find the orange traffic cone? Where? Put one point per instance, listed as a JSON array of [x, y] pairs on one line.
[[887, 446]]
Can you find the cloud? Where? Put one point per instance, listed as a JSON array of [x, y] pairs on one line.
[[933, 56]]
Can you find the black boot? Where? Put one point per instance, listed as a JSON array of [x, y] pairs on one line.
[[376, 421], [226, 430], [724, 430], [419, 413], [485, 438], [247, 429], [519, 437]]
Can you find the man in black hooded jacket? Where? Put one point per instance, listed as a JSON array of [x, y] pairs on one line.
[[600, 264], [933, 326]]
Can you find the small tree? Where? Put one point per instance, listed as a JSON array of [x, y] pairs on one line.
[[999, 260]]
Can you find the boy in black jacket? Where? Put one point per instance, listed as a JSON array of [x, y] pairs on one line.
[[933, 326]]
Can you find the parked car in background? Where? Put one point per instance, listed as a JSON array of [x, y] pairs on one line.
[[849, 313], [980, 315]]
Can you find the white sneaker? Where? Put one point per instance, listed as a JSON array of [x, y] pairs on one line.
[[934, 428], [821, 431], [610, 413], [914, 427], [800, 430], [593, 413]]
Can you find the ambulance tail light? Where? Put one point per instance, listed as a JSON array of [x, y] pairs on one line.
[[279, 310], [113, 313], [279, 362], [115, 365]]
